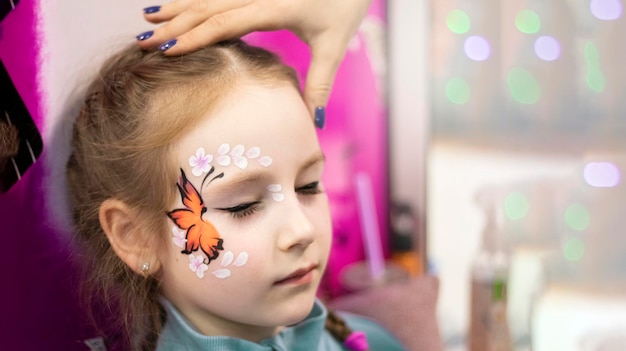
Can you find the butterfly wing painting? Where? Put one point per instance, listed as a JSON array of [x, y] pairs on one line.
[[200, 234]]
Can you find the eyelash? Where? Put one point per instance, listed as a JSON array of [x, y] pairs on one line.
[[249, 208], [243, 210], [310, 189]]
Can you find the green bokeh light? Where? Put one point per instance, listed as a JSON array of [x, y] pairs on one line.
[[595, 79], [458, 91], [528, 22], [574, 249], [577, 217], [458, 21], [516, 206], [523, 86], [592, 55]]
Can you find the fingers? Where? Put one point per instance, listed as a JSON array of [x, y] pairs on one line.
[[325, 60], [221, 26], [184, 20]]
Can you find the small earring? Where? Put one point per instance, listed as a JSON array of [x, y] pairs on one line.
[[145, 267]]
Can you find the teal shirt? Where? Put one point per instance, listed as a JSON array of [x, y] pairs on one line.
[[308, 335]]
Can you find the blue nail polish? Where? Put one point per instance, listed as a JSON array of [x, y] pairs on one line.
[[152, 9], [167, 45], [320, 117], [145, 35]]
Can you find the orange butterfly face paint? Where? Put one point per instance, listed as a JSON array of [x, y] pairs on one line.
[[200, 234]]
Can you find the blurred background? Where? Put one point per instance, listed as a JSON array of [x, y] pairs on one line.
[[510, 118], [476, 141]]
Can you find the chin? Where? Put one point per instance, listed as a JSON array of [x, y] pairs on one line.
[[297, 310]]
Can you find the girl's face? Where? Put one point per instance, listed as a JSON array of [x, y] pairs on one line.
[[250, 230]]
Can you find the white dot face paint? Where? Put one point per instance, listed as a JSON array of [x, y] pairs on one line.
[[253, 152], [275, 189], [265, 161], [227, 260]]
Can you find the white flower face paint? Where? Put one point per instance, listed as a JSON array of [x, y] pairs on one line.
[[179, 237], [200, 163], [238, 156], [227, 259], [196, 264]]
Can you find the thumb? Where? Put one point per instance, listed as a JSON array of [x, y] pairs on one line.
[[325, 60]]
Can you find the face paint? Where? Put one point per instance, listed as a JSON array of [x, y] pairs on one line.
[[224, 273], [275, 190], [196, 264], [200, 162], [178, 237], [200, 234]]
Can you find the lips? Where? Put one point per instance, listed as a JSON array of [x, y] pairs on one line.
[[299, 276]]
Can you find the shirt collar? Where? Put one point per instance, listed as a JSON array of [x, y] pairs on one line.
[[305, 335]]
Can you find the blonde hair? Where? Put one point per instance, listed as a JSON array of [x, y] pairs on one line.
[[134, 110]]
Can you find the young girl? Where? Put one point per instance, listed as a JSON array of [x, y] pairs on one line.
[[196, 191]]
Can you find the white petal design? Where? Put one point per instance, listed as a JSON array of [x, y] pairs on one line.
[[241, 259], [228, 258], [253, 152], [265, 161], [238, 150], [223, 149], [222, 273], [201, 270], [274, 188], [223, 160], [278, 197], [240, 162]]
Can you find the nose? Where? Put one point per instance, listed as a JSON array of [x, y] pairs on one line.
[[296, 229]]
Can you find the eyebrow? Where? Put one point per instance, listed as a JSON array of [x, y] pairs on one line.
[[249, 177]]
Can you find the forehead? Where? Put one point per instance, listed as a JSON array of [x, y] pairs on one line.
[[271, 120]]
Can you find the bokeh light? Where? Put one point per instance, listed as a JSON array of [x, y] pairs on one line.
[[592, 55], [547, 48], [458, 21], [523, 86], [577, 217], [477, 48], [574, 249], [528, 22], [515, 206], [595, 79], [607, 10], [458, 91], [601, 174]]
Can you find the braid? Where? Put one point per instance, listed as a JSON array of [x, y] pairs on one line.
[[338, 328]]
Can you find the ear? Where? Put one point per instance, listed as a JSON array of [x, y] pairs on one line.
[[128, 237]]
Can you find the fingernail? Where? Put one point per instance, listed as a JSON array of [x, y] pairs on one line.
[[152, 9], [145, 35], [167, 45], [320, 117]]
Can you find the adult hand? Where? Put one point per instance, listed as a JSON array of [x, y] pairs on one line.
[[327, 26]]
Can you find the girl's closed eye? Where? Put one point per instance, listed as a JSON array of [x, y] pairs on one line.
[[242, 210], [310, 189]]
